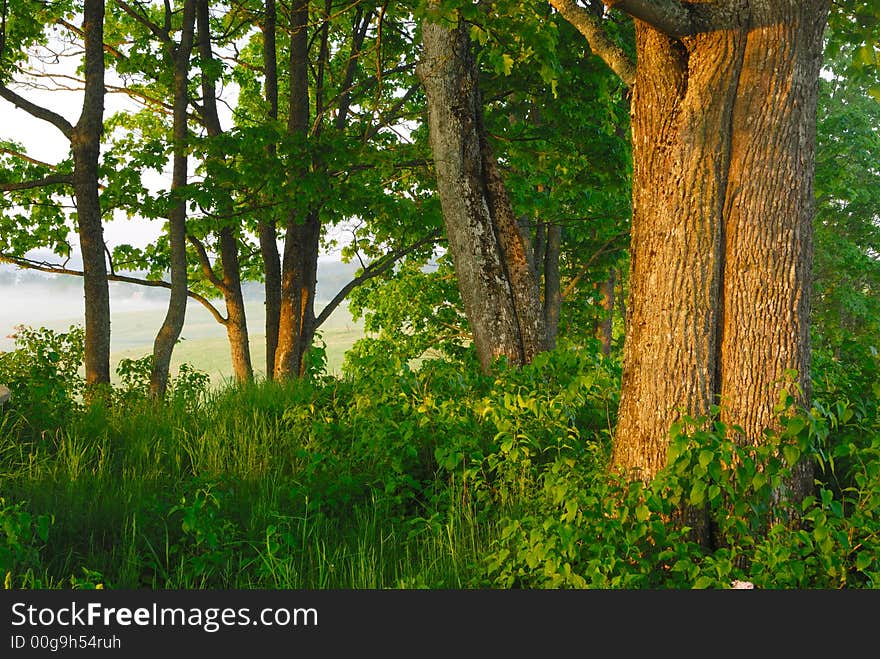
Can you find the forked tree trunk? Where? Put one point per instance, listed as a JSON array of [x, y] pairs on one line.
[[85, 142], [299, 277], [723, 150], [169, 332], [492, 260]]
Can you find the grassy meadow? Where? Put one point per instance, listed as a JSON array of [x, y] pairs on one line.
[[203, 343]]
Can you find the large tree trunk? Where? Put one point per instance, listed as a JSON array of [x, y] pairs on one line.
[[168, 334], [769, 219], [723, 147], [85, 140], [492, 261]]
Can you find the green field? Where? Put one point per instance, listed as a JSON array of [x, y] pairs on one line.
[[203, 342]]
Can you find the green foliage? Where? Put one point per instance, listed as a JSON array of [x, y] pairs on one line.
[[438, 476], [590, 529], [32, 217], [853, 42], [846, 282], [188, 388], [23, 537], [208, 539], [43, 374], [27, 23], [413, 312], [316, 359]]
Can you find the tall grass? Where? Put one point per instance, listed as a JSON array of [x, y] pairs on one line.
[[165, 496]]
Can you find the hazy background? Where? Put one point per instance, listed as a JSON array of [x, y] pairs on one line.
[[37, 299]]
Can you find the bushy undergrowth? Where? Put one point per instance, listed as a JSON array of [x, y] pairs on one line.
[[394, 477]]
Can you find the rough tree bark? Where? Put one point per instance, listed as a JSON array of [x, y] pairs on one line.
[[724, 115], [171, 327], [491, 257]]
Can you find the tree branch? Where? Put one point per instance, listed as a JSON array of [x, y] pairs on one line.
[[673, 17], [604, 249], [158, 32], [78, 31], [205, 263], [374, 269], [52, 179], [392, 114], [27, 158], [37, 111], [591, 27]]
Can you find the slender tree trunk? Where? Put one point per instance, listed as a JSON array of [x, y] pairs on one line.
[[268, 235], [85, 140], [540, 250], [497, 285], [236, 319], [272, 288], [168, 334], [236, 326], [723, 147], [604, 329], [302, 230], [552, 283]]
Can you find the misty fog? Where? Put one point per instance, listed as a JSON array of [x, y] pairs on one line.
[[37, 299]]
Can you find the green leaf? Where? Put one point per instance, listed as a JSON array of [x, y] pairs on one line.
[[866, 55], [698, 493], [794, 425], [759, 480], [792, 454], [863, 560], [705, 458], [703, 582], [507, 63]]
